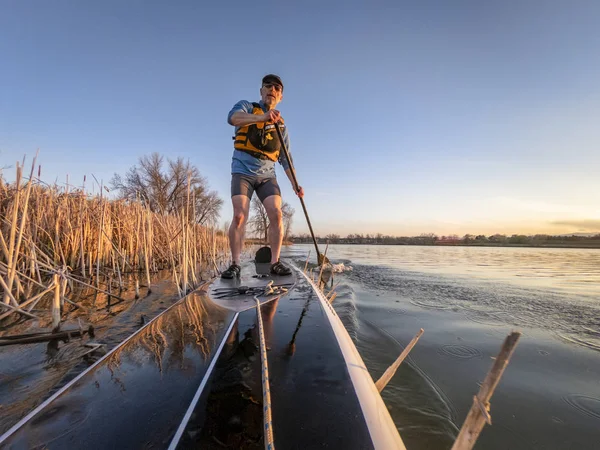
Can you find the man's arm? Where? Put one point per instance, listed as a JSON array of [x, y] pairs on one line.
[[241, 118], [287, 166], [300, 191]]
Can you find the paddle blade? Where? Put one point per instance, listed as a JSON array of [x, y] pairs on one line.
[[263, 255], [323, 259]]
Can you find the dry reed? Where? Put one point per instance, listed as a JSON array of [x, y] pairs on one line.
[[90, 240]]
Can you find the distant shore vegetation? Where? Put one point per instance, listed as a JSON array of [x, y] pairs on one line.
[[497, 240]]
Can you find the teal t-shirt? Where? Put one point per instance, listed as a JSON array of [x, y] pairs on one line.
[[247, 164]]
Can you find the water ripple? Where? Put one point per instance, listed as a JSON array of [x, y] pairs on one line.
[[460, 351], [590, 406]]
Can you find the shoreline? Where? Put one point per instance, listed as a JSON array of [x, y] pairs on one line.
[[565, 245]]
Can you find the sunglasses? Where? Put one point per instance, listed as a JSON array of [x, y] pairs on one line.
[[277, 87]]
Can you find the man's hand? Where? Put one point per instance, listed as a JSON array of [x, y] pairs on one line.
[[272, 116], [300, 192]]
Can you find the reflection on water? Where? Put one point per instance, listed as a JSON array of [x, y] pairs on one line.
[[191, 324], [159, 368]]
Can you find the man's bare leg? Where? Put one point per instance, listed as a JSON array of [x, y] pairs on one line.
[[237, 229], [272, 205]]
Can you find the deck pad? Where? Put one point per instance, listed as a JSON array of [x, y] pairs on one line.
[[255, 280]]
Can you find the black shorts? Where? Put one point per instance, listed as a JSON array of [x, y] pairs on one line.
[[247, 184]]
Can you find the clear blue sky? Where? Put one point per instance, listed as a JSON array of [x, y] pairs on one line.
[[446, 117]]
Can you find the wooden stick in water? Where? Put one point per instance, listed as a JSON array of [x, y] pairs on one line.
[[319, 280], [332, 298], [306, 263], [479, 413], [389, 373], [44, 336]]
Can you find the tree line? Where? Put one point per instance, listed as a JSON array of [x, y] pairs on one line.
[[537, 240]]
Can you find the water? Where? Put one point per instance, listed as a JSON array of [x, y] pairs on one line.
[[31, 373], [467, 299]]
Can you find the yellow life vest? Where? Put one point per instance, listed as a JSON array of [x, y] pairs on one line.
[[259, 139]]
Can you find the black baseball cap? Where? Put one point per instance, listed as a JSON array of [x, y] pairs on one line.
[[272, 79]]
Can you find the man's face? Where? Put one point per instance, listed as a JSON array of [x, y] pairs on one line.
[[271, 94]]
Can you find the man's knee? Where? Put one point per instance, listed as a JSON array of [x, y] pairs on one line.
[[274, 215], [239, 219]]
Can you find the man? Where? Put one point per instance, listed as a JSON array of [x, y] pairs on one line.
[[256, 150]]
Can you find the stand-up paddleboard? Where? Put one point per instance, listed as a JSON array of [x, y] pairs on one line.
[[320, 394], [255, 287]]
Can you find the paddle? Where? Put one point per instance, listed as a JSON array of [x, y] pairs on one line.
[[320, 257]]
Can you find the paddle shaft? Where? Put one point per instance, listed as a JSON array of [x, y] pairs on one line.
[[296, 187]]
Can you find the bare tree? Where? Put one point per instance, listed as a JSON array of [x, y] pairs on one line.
[[259, 221], [288, 215], [164, 189], [208, 207]]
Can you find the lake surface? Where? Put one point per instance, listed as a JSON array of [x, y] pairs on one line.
[[467, 299]]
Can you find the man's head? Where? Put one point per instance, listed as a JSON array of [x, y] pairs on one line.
[[271, 91]]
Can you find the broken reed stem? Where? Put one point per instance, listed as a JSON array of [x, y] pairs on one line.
[[185, 221], [100, 230], [14, 247], [146, 250], [56, 304], [389, 373], [32, 301], [100, 291], [184, 286], [322, 267], [332, 298], [82, 232], [12, 235], [16, 309], [479, 415], [12, 300], [119, 276], [306, 263]]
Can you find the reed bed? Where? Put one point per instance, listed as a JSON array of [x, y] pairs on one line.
[[54, 238]]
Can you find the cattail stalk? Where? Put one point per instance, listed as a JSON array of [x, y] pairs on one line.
[[56, 305]]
